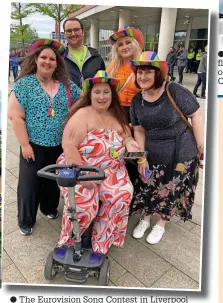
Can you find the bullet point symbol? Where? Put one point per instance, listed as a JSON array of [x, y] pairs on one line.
[[13, 299], [220, 54]]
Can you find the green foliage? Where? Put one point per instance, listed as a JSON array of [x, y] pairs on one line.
[[56, 11], [20, 10], [22, 32]]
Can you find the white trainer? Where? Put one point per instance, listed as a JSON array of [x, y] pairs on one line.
[[156, 234], [140, 229]]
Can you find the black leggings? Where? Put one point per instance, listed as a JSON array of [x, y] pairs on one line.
[[33, 190]]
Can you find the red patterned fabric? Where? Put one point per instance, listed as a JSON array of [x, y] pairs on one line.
[[115, 193]]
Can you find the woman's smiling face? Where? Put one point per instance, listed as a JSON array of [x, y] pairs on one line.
[[145, 78], [101, 96], [46, 62], [125, 48]]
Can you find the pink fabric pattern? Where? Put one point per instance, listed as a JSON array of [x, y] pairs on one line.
[[115, 193]]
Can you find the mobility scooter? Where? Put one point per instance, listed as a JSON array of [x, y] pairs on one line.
[[76, 262]]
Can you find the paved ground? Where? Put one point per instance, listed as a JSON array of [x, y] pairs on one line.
[[172, 263]]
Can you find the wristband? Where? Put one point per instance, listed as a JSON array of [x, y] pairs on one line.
[[127, 140], [141, 161]]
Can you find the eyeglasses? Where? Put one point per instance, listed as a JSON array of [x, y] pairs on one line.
[[70, 30]]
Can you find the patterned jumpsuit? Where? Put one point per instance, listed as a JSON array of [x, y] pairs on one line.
[[115, 193]]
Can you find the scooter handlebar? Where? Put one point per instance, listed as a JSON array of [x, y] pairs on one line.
[[46, 172]]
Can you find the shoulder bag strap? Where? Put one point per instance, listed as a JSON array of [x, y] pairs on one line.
[[126, 82], [177, 108], [69, 97]]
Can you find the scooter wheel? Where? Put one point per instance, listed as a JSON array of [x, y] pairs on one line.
[[49, 270], [104, 273]]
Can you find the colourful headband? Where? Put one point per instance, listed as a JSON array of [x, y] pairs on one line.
[[48, 42], [150, 58], [128, 31], [100, 77]]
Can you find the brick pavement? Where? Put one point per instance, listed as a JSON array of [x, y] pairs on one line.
[[172, 263]]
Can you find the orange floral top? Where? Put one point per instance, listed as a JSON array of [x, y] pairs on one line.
[[130, 90]]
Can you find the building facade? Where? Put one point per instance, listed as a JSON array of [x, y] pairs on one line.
[[161, 27]]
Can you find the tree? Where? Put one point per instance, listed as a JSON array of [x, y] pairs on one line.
[[19, 12], [24, 34], [56, 11]]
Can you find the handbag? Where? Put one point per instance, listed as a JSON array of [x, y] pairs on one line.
[[177, 108], [179, 112]]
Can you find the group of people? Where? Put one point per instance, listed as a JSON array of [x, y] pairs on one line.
[[66, 107], [189, 61]]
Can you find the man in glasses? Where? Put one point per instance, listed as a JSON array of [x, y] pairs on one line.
[[82, 61]]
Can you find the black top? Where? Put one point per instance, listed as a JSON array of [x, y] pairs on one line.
[[93, 62], [171, 58], [164, 127]]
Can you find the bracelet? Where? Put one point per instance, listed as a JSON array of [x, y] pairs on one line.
[[127, 140], [141, 161]]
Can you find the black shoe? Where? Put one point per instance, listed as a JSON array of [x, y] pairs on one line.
[[203, 97], [197, 96], [53, 216], [26, 231], [181, 83]]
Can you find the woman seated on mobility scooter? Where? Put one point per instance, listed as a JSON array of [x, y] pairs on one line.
[[96, 134]]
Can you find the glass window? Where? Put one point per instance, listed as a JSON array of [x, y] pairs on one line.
[[181, 35], [201, 33]]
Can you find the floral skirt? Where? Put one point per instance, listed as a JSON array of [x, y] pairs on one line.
[[167, 198]]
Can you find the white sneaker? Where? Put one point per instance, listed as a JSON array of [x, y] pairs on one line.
[[140, 229], [156, 234]]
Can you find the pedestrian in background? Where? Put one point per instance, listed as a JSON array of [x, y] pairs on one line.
[[190, 59], [38, 107], [198, 58], [181, 62], [171, 60], [9, 66], [14, 59], [201, 75], [82, 61]]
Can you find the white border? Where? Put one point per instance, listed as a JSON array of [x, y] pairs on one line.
[[3, 87]]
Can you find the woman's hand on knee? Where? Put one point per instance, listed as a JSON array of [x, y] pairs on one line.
[[27, 152]]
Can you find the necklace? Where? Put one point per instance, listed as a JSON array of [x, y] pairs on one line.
[[102, 122], [113, 153], [49, 92]]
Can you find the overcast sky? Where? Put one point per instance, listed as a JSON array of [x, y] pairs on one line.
[[44, 25], [221, 6]]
